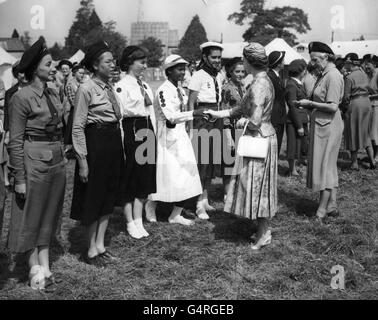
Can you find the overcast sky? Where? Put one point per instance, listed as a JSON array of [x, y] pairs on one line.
[[360, 17]]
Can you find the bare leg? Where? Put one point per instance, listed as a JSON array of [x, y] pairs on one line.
[[206, 204], [176, 217], [138, 216], [33, 258], [332, 202], [43, 257], [131, 227], [263, 234], [324, 198], [92, 233], [151, 211], [100, 238], [370, 153]]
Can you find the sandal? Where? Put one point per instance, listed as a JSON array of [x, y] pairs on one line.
[[108, 256]]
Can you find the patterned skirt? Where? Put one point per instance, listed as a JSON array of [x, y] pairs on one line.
[[253, 187]]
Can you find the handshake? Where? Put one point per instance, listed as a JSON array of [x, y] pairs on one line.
[[209, 115]]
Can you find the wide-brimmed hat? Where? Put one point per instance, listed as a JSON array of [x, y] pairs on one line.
[[173, 60]]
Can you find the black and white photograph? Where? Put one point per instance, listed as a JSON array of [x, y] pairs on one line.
[[195, 151]]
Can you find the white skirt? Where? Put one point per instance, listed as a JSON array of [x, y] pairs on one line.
[[177, 177]]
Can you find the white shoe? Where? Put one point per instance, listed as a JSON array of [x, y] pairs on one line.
[[139, 225], [150, 212], [207, 206], [265, 240], [134, 231], [202, 214], [181, 220], [37, 277]]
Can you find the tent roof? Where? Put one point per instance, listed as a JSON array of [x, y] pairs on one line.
[[233, 49], [77, 57], [359, 47], [6, 58], [279, 44]]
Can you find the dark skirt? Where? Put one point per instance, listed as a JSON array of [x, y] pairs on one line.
[[105, 157], [34, 220], [139, 179], [297, 146], [209, 154]]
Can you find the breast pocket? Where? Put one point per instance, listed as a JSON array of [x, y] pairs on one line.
[[40, 160]]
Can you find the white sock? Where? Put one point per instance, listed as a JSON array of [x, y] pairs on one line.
[[133, 230], [201, 212], [139, 225]]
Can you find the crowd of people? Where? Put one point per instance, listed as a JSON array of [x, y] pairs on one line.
[[135, 148]]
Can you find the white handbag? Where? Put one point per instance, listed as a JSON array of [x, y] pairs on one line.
[[253, 147]]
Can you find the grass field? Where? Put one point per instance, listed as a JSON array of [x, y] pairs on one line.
[[213, 260]]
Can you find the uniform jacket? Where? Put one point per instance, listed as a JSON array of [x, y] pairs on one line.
[[279, 107], [295, 92]]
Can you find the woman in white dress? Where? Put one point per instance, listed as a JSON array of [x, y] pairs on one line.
[[177, 178]]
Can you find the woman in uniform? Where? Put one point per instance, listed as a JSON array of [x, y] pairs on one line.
[[297, 120], [139, 138], [97, 142], [232, 95], [370, 63], [253, 187], [177, 178], [326, 129], [37, 160], [205, 92], [358, 111]]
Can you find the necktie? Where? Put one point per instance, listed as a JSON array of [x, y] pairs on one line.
[[181, 99], [52, 109], [114, 102], [240, 90], [147, 100], [216, 89]]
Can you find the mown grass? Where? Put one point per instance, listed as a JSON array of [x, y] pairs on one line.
[[213, 260]]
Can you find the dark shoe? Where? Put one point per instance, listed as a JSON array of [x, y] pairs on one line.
[[50, 285], [334, 213], [56, 278], [108, 256], [373, 166], [96, 261], [188, 214]]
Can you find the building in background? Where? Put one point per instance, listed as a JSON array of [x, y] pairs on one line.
[[159, 30], [13, 46]]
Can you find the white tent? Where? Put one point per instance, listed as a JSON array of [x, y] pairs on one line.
[[233, 49], [77, 57], [359, 47], [279, 44], [6, 63]]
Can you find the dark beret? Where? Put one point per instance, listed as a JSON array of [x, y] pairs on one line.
[[352, 58], [93, 52], [372, 58], [65, 62], [319, 47], [131, 54], [275, 58], [297, 66], [76, 67], [15, 69], [32, 56]]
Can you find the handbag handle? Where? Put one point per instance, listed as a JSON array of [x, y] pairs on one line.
[[245, 128]]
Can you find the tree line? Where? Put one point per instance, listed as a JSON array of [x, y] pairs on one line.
[[264, 24]]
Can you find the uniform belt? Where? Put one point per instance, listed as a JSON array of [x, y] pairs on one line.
[[359, 95], [106, 125], [49, 138]]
